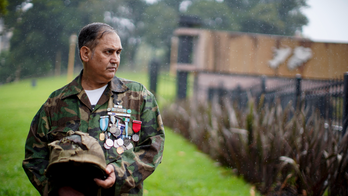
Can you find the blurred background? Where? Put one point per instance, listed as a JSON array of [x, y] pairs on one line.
[[260, 86], [35, 33]]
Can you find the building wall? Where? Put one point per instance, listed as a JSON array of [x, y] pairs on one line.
[[250, 54]]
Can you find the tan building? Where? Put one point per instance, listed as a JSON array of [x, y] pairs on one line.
[[226, 58]]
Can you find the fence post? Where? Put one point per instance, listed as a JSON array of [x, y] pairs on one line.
[[298, 91], [153, 73], [263, 89], [181, 78], [185, 53], [263, 84], [345, 104]]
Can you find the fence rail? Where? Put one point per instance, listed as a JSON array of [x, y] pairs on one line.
[[326, 97]]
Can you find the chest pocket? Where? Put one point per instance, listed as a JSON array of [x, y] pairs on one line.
[[58, 132]]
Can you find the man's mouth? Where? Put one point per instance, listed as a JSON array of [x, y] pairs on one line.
[[111, 68]]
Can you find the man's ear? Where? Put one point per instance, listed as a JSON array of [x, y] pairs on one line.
[[85, 53]]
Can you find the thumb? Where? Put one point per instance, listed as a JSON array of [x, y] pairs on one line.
[[109, 169]]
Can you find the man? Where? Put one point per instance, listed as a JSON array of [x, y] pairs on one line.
[[87, 104]]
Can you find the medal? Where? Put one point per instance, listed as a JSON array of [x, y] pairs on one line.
[[129, 146], [120, 150], [106, 146], [102, 136], [117, 132], [135, 137], [120, 142], [115, 144], [126, 141], [109, 142], [113, 129]]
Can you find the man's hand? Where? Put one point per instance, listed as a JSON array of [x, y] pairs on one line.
[[109, 181]]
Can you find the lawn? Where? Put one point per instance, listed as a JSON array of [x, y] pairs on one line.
[[183, 171]]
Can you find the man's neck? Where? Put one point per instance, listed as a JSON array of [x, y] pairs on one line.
[[90, 84]]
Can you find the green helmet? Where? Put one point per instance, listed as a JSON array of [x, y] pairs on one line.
[[78, 156]]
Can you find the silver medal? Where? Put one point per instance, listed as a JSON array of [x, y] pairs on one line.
[[120, 142], [135, 137], [113, 129], [126, 141], [109, 142], [115, 144], [129, 146], [106, 146]]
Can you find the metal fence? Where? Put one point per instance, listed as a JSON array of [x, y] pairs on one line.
[[325, 97]]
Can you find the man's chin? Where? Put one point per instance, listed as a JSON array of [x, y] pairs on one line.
[[110, 75]]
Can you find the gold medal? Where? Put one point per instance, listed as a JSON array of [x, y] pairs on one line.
[[102, 136], [120, 150]]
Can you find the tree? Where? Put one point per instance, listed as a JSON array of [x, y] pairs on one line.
[[126, 16], [281, 17], [3, 5], [40, 33], [216, 15]]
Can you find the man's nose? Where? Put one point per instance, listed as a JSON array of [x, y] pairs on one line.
[[115, 58]]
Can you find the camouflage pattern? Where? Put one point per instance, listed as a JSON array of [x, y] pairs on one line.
[[69, 109]]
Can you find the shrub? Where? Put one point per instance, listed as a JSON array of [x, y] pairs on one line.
[[280, 151]]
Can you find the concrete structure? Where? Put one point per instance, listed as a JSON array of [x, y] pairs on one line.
[[233, 58]]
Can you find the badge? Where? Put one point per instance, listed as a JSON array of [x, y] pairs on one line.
[[103, 123], [117, 106], [118, 114], [136, 126]]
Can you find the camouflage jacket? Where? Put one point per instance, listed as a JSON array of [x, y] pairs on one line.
[[69, 108]]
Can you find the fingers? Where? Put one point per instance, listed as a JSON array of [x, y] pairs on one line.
[[109, 181]]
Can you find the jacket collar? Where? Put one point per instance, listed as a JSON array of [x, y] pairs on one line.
[[75, 87]]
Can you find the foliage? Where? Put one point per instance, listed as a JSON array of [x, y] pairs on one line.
[[280, 151], [41, 32], [3, 5], [216, 15], [183, 171]]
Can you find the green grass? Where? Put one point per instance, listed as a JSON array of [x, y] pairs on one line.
[[184, 170]]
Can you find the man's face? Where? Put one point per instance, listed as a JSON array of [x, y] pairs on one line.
[[104, 59]]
